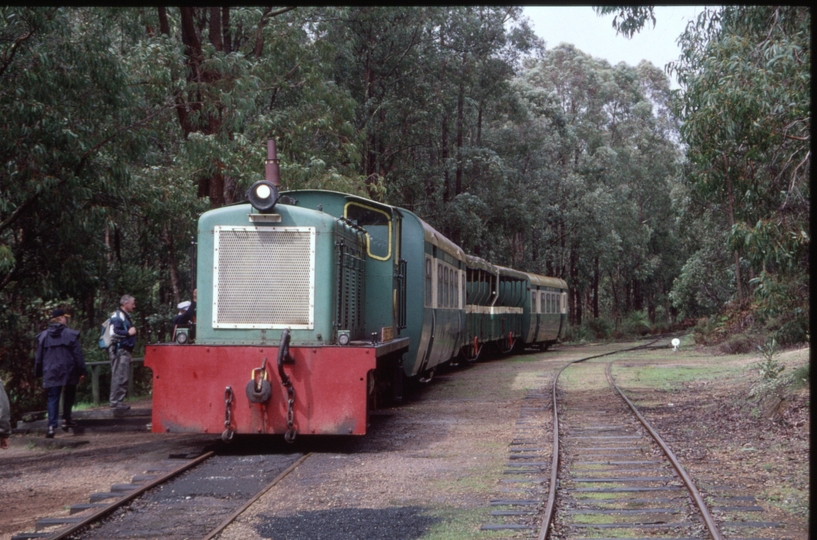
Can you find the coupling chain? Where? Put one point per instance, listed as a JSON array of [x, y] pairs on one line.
[[289, 436], [227, 436]]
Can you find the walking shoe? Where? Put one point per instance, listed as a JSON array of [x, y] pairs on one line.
[[120, 406], [68, 424], [50, 434]]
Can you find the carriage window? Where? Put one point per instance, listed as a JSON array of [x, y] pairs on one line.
[[439, 285], [449, 297], [447, 287], [378, 228], [428, 282], [464, 298], [456, 289]]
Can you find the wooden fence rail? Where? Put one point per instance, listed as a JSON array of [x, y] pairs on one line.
[[95, 368]]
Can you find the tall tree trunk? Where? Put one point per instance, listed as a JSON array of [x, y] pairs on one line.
[[225, 29], [574, 278], [596, 287], [628, 289], [479, 127], [444, 156], [460, 107], [216, 35], [731, 213], [614, 290], [164, 26], [171, 258]]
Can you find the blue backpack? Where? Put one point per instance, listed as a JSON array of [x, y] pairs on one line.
[[106, 334]]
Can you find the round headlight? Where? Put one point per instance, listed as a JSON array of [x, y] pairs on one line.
[[263, 195], [343, 339]]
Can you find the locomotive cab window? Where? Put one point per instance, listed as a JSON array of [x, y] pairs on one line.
[[378, 228]]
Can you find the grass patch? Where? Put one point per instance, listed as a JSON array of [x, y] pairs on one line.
[[588, 467], [595, 496], [458, 524], [790, 500], [667, 377], [594, 519], [607, 533]]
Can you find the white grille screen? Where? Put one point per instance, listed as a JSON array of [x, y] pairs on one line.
[[264, 277]]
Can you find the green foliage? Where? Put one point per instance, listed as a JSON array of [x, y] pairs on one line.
[[636, 324], [629, 19], [602, 328], [746, 108], [119, 129], [770, 368]]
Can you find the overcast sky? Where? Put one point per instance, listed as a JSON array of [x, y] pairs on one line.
[[596, 36]]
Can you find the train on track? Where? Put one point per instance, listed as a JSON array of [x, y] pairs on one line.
[[315, 306]]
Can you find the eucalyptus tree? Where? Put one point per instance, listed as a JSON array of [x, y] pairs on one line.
[[69, 134], [613, 167], [426, 80], [746, 107], [234, 77], [745, 104]]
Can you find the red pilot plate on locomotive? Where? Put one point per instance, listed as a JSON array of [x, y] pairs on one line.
[[329, 383]]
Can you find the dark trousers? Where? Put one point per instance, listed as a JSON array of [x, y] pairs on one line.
[[70, 395]]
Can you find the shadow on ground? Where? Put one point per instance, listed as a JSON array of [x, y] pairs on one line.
[[406, 523]]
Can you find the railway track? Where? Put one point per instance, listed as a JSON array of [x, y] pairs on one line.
[[610, 474], [618, 478], [611, 478], [186, 497]]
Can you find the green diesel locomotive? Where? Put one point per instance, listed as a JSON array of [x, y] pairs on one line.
[[314, 306]]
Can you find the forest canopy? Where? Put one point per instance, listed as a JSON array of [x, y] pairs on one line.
[[121, 125]]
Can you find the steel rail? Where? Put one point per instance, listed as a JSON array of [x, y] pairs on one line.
[[554, 465], [99, 514], [699, 501], [223, 525]]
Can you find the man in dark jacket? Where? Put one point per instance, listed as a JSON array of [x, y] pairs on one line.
[[121, 353], [59, 361], [5, 418]]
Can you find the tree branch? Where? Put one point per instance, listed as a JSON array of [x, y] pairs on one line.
[[61, 181], [259, 33]]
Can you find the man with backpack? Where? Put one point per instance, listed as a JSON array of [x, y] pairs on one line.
[[121, 351]]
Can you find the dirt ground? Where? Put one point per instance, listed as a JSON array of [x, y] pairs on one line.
[[41, 478], [758, 442], [443, 450]]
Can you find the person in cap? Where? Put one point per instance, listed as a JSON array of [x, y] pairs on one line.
[[59, 361], [186, 312], [182, 317]]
